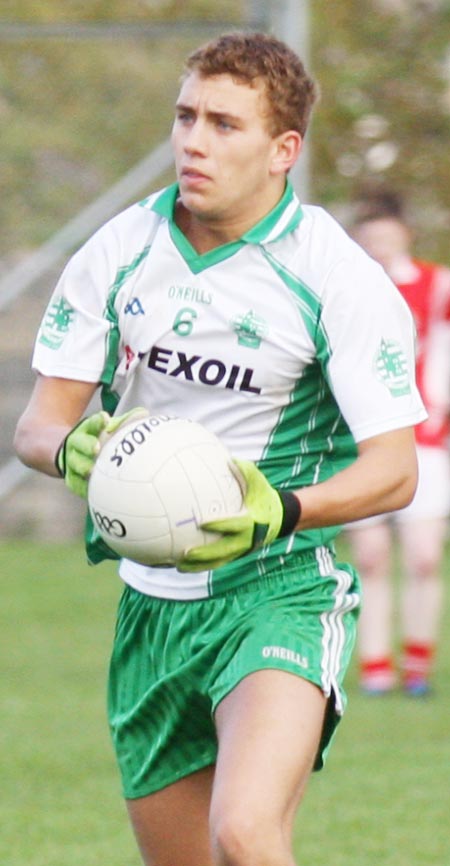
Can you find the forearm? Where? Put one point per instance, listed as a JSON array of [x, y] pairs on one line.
[[55, 406], [37, 446], [383, 478]]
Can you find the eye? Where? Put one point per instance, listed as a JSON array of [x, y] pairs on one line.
[[224, 124], [184, 116]]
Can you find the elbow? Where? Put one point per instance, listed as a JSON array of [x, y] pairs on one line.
[[412, 487], [26, 442], [407, 487], [35, 443], [20, 444]]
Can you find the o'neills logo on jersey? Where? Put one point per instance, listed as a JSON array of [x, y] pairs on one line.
[[208, 371], [281, 652]]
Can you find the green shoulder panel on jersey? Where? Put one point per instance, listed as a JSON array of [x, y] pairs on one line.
[[309, 307], [311, 439], [109, 398]]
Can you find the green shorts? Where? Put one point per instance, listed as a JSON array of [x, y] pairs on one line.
[[174, 661]]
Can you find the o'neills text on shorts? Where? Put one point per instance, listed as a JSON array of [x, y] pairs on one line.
[[281, 652]]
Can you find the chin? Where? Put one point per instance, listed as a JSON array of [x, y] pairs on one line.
[[198, 208]]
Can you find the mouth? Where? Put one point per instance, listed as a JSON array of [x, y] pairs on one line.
[[191, 175]]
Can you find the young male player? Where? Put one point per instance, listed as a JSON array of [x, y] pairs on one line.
[[382, 229], [222, 299]]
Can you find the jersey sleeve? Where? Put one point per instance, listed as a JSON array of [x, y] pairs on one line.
[[371, 338], [72, 338]]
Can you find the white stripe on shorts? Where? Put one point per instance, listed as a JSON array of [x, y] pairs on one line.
[[333, 641]]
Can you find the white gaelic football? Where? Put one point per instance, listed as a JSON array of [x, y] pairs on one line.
[[155, 481]]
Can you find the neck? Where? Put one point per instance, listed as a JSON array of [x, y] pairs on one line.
[[206, 232], [205, 236]]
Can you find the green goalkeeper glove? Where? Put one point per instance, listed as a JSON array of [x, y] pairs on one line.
[[268, 514], [78, 452]]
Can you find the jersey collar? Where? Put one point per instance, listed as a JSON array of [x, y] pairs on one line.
[[282, 220]]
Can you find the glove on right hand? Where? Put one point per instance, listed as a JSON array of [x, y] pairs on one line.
[[78, 452]]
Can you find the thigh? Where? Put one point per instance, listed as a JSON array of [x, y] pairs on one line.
[[269, 729], [171, 826]]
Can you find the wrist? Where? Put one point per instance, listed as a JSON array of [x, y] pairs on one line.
[[292, 510], [60, 459], [61, 454]]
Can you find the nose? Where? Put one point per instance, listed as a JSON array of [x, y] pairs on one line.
[[196, 138]]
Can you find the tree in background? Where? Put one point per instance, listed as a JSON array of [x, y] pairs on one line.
[[76, 114], [384, 67]]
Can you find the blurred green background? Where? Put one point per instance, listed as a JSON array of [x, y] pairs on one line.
[[77, 112]]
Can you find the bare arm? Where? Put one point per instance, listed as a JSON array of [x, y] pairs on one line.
[[55, 406], [382, 478]]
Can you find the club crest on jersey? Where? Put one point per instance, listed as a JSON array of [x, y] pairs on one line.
[[58, 319], [250, 329], [391, 368]]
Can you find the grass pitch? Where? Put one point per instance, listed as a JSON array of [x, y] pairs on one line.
[[382, 798]]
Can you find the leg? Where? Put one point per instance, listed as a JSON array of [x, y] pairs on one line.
[[171, 826], [422, 544], [371, 545], [269, 729]]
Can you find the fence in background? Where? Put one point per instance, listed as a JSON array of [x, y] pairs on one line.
[[288, 18]]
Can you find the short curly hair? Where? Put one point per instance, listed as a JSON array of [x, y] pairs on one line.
[[254, 58]]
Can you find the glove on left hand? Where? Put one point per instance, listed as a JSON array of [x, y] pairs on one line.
[[267, 515]]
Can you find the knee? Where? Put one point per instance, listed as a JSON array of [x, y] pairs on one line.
[[374, 567], [240, 840], [426, 566], [373, 560]]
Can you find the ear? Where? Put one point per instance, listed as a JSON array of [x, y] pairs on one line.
[[287, 148]]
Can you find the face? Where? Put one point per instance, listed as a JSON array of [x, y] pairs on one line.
[[230, 170], [386, 240]]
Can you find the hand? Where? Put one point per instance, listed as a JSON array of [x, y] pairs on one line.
[[267, 514], [78, 452]]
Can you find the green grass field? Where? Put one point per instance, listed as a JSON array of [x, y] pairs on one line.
[[382, 799]]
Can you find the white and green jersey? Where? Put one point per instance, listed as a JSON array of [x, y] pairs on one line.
[[290, 344]]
